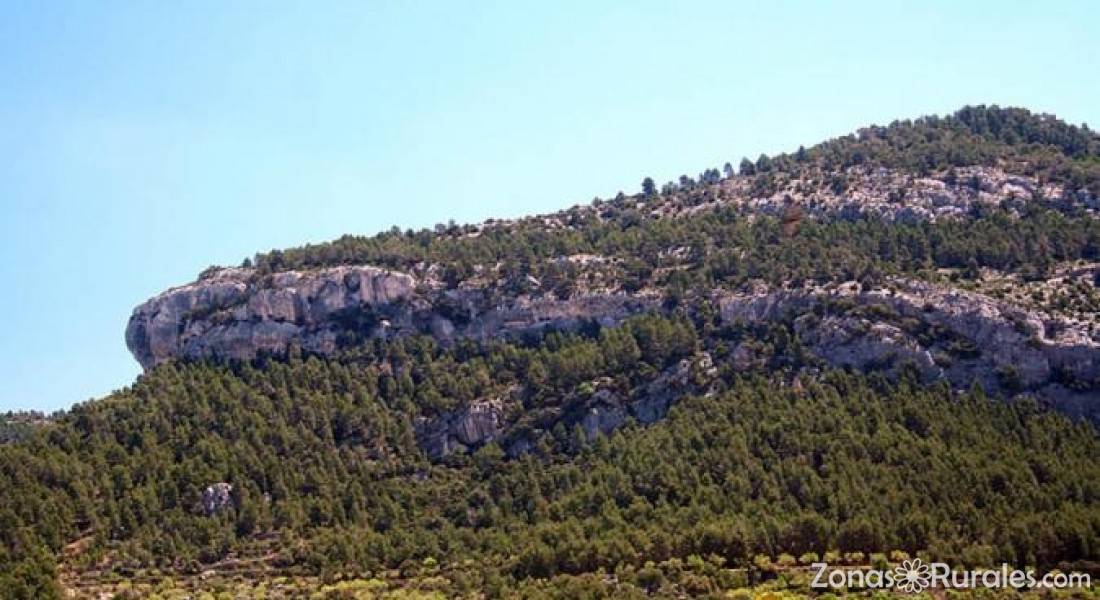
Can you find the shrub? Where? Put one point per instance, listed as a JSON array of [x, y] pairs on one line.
[[878, 561]]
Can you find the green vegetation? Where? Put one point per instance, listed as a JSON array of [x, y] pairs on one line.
[[750, 477], [1026, 143], [1011, 138], [329, 479], [725, 248], [18, 426]]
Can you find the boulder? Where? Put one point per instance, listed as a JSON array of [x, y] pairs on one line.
[[217, 497], [473, 425]]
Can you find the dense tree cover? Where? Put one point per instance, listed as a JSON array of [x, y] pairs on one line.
[[1024, 142], [327, 472], [16, 426], [723, 247], [1013, 138], [328, 475]]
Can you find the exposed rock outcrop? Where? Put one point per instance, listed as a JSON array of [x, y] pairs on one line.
[[598, 412], [652, 401], [237, 313], [216, 498], [474, 425], [935, 331], [604, 414], [940, 332], [895, 195]]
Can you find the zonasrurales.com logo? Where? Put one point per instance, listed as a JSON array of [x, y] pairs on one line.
[[914, 576]]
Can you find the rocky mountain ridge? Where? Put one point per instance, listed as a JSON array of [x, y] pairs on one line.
[[236, 314], [855, 192], [940, 333], [303, 304], [934, 330], [699, 370], [871, 252]]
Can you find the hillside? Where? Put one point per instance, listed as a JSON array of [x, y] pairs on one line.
[[882, 346]]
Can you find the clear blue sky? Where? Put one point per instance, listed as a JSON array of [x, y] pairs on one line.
[[143, 141]]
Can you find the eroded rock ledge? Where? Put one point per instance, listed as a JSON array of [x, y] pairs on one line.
[[938, 332], [238, 314], [935, 331]]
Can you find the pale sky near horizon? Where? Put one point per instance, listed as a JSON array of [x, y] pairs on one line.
[[144, 141]]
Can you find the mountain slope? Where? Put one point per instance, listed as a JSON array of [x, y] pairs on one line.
[[657, 394], [988, 200], [326, 455]]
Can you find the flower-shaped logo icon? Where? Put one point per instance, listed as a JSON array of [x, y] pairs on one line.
[[912, 576]]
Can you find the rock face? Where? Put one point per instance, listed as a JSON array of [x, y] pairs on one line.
[[895, 195], [940, 333], [604, 414], [935, 332], [236, 313], [469, 427], [652, 401], [597, 413], [216, 498]]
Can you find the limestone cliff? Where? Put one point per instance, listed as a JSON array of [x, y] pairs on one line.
[[935, 331], [938, 332], [238, 314]]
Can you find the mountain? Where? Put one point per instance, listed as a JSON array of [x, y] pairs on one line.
[[878, 347], [972, 215]]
